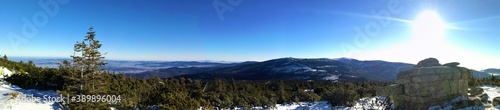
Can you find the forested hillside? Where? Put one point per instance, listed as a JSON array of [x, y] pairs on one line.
[[182, 93]]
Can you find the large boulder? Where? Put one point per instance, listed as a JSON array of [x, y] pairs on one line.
[[484, 97], [475, 91], [429, 83], [496, 101], [471, 101]]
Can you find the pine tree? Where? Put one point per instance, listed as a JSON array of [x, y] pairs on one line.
[[5, 57], [86, 75]]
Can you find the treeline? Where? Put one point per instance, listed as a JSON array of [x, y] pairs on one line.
[[190, 94], [491, 80], [182, 93], [28, 75]]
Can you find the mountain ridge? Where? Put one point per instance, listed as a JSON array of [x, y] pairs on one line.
[[374, 70], [288, 68], [339, 69]]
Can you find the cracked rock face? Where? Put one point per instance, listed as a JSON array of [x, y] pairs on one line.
[[427, 84]]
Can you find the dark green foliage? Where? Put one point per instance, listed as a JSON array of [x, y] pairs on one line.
[[492, 80], [85, 75], [31, 77], [181, 93], [191, 94]]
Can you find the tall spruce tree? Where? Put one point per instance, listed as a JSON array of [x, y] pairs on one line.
[[86, 75]]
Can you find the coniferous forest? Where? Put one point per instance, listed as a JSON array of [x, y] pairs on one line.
[[84, 75]]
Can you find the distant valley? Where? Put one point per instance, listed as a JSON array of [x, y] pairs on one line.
[[122, 66]]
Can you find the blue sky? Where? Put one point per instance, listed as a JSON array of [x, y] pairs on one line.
[[254, 30]]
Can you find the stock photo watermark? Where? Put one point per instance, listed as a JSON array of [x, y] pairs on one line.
[[39, 19], [364, 34], [17, 97], [221, 6]]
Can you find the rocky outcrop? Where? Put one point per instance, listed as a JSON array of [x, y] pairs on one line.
[[484, 97], [475, 91], [496, 101], [452, 64], [476, 98], [429, 83], [427, 63], [470, 101]]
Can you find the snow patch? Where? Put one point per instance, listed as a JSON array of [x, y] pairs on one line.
[[294, 68], [332, 77], [323, 105], [28, 99], [4, 72], [491, 91], [362, 104], [328, 66], [368, 103]]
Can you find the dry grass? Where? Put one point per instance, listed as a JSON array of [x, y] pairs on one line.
[[13, 95]]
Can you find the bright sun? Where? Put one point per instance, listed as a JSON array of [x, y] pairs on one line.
[[428, 27]]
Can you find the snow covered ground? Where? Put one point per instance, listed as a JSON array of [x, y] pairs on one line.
[[297, 68], [362, 104], [305, 106], [492, 91], [27, 99]]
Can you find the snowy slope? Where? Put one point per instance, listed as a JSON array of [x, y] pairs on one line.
[[28, 99]]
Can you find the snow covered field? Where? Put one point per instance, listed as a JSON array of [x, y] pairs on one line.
[[365, 103], [27, 99], [305, 106]]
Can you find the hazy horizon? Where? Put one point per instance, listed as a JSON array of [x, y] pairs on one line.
[[258, 30], [44, 64]]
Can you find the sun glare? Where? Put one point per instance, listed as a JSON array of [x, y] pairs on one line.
[[428, 26]]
